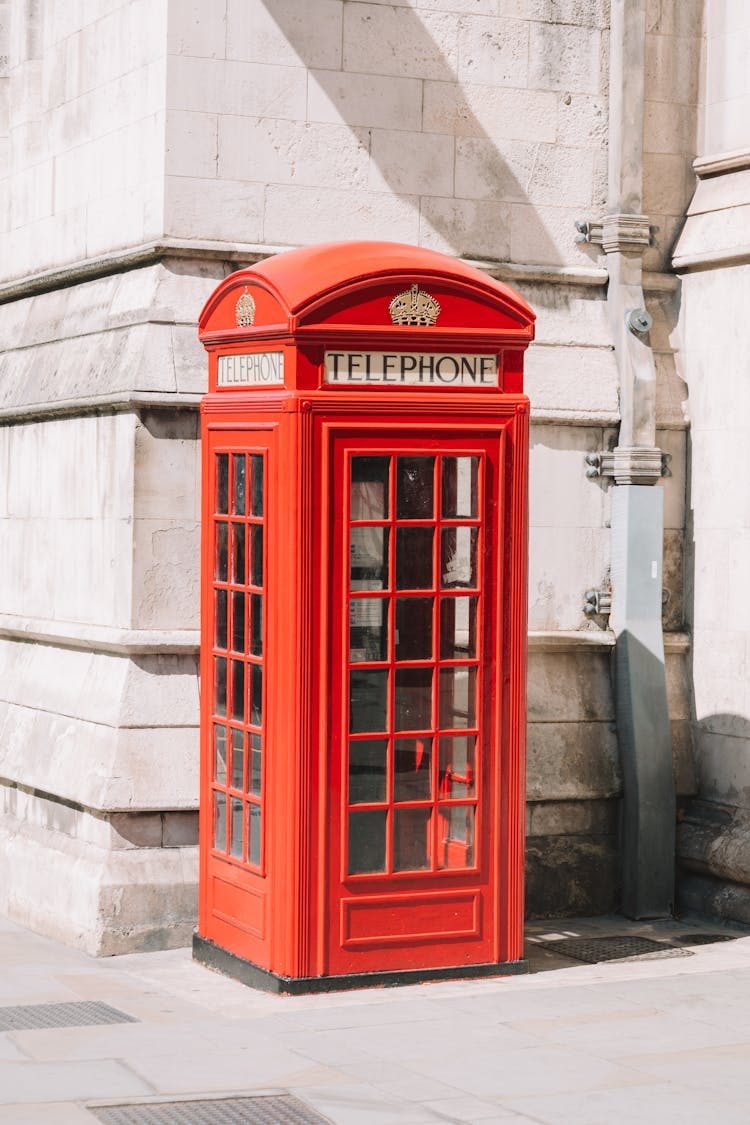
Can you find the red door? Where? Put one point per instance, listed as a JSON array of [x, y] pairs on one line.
[[414, 807]]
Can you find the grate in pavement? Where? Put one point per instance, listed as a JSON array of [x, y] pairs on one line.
[[77, 1013], [594, 950], [703, 939], [282, 1109]]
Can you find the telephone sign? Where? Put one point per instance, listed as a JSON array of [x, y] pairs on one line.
[[365, 446]]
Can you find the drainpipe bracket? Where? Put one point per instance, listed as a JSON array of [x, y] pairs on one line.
[[629, 465], [617, 233], [598, 603]]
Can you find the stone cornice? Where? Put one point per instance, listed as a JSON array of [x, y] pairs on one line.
[[721, 163]]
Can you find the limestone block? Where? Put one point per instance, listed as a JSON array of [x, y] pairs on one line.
[[568, 314], [563, 57], [585, 13], [668, 127], [577, 379], [720, 671], [582, 121], [683, 758], [546, 236], [716, 193], [297, 216], [179, 829], [287, 32], [493, 51], [726, 64], [406, 43], [494, 170], [32, 197], [124, 218], [678, 686], [671, 390], [718, 846], [672, 68], [336, 96], [567, 690], [673, 580], [711, 594], [192, 144], [568, 761], [562, 176], [725, 129], [465, 227], [417, 164], [714, 898], [166, 573], [571, 818], [227, 86], [564, 562], [723, 766], [667, 183], [683, 18], [226, 210], [560, 493], [673, 442], [166, 467], [299, 152], [491, 112], [198, 27], [719, 458], [571, 875], [190, 361]]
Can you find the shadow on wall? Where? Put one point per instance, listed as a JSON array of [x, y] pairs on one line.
[[471, 207]]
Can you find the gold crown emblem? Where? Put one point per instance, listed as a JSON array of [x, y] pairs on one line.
[[245, 310], [414, 306]]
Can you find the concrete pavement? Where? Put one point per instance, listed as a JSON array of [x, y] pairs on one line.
[[660, 1039]]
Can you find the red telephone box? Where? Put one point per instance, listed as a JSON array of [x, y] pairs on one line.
[[365, 446]]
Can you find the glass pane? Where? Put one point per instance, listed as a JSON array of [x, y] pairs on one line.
[[368, 699], [220, 822], [413, 698], [256, 762], [238, 553], [220, 685], [460, 492], [458, 628], [221, 568], [238, 759], [256, 465], [368, 629], [368, 558], [255, 647], [456, 766], [238, 690], [239, 489], [367, 771], [415, 488], [222, 483], [366, 841], [253, 845], [220, 631], [238, 621], [411, 839], [456, 846], [458, 707], [220, 754], [255, 694], [414, 558], [458, 556], [414, 628], [412, 775], [256, 554], [369, 488], [235, 833]]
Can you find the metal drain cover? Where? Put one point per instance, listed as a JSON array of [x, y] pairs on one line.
[[78, 1013], [703, 939], [594, 950], [282, 1109]]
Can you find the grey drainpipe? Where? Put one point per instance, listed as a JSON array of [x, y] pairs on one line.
[[648, 804]]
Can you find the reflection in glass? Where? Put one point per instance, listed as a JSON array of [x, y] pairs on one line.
[[235, 832], [220, 685], [220, 822], [221, 568], [238, 690], [411, 839], [412, 773], [238, 759], [368, 629], [238, 553], [458, 557], [255, 648], [458, 707], [414, 628], [256, 554], [414, 558], [368, 558], [368, 698], [415, 487], [253, 825], [256, 761], [458, 628], [239, 490], [366, 841], [255, 694], [456, 767], [413, 698], [369, 488], [221, 619], [238, 621], [256, 466], [222, 483], [460, 492], [367, 770], [220, 754], [456, 846]]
